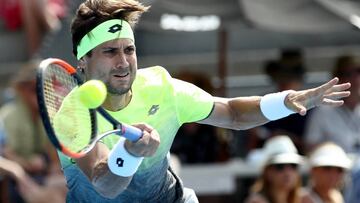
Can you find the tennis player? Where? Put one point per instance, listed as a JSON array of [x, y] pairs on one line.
[[103, 42]]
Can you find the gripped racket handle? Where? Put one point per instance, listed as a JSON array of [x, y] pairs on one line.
[[131, 133]]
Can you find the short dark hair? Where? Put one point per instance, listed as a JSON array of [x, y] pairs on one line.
[[93, 12], [342, 65], [289, 66]]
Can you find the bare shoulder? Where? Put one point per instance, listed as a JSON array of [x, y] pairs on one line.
[[256, 198]]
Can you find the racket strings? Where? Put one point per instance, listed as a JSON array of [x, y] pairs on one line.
[[71, 121]]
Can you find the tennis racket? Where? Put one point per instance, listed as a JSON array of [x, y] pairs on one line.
[[70, 125]]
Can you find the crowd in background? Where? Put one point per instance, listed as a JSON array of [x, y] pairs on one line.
[[327, 140]]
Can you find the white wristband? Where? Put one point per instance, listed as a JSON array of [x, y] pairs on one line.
[[273, 105], [121, 162]]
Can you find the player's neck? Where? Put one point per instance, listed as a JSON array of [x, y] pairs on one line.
[[117, 102]]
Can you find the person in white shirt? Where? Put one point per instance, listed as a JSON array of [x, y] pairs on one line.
[[339, 125], [328, 165]]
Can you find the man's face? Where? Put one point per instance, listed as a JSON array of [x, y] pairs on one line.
[[113, 62]]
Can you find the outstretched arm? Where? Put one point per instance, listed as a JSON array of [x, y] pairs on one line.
[[244, 112]]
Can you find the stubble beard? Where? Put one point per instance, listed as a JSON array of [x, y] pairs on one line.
[[117, 90]]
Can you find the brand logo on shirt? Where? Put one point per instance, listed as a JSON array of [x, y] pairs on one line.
[[153, 109], [115, 28], [120, 162]]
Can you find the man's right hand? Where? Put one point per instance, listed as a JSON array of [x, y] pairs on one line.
[[147, 145]]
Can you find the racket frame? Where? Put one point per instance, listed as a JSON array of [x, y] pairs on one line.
[[127, 131]]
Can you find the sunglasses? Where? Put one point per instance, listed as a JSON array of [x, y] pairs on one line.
[[281, 167], [329, 168]]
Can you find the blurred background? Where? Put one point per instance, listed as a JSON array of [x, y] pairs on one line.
[[229, 48]]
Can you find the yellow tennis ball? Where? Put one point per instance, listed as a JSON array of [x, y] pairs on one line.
[[92, 93]]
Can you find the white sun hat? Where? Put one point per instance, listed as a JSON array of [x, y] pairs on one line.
[[330, 154], [281, 150], [277, 150]]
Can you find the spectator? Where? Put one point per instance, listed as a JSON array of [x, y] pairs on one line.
[[352, 190], [286, 73], [328, 164], [3, 181], [26, 142], [279, 181], [61, 38], [196, 143], [339, 125], [52, 191], [34, 17]]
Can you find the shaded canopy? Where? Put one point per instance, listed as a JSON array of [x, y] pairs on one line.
[[300, 16], [250, 24]]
